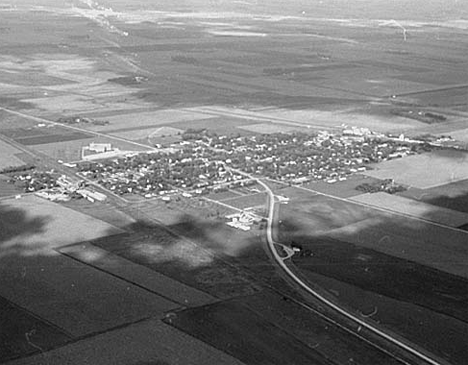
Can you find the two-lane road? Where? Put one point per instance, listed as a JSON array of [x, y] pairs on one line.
[[360, 323]]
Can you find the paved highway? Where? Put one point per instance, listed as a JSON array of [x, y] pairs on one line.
[[359, 322]]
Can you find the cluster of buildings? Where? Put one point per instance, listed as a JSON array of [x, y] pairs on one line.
[[301, 157], [243, 220], [51, 186], [205, 162], [162, 173]]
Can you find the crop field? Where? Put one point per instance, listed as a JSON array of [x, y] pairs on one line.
[[342, 189], [152, 134], [451, 196], [224, 195], [244, 334], [44, 135], [137, 274], [399, 204], [7, 189], [17, 324], [248, 201], [224, 125], [436, 247], [449, 96], [71, 150], [419, 170], [147, 342], [268, 128], [45, 225], [424, 326], [8, 155], [195, 265], [76, 298], [154, 118]]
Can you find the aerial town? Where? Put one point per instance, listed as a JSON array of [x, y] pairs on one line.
[[233, 182]]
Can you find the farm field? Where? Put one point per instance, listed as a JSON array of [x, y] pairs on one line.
[[106, 283], [442, 334], [137, 274], [17, 324], [436, 247], [198, 265], [424, 171], [70, 151], [248, 201], [7, 189], [264, 128], [452, 196], [244, 334], [148, 342], [34, 226], [8, 155], [145, 119], [223, 125], [399, 204], [342, 189], [43, 135]]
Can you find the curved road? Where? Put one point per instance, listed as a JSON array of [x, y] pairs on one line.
[[327, 302]]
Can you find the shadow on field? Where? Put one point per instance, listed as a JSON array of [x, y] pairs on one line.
[[15, 222], [405, 274]]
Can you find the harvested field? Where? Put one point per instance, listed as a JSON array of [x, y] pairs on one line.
[[419, 170], [444, 249], [244, 334], [137, 274], [7, 189], [268, 128], [148, 342], [194, 264], [247, 201], [300, 323], [452, 196], [399, 204], [17, 326], [76, 298], [443, 335], [460, 135], [155, 118], [71, 150], [8, 155], [224, 195], [342, 189], [42, 135], [34, 226]]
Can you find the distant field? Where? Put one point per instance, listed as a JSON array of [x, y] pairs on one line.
[[267, 128], [220, 125], [71, 150], [7, 189], [155, 118], [424, 171], [440, 248], [247, 201], [451, 218], [460, 135], [244, 334], [342, 189], [452, 196], [43, 135], [8, 155], [224, 195], [450, 96], [36, 225]]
